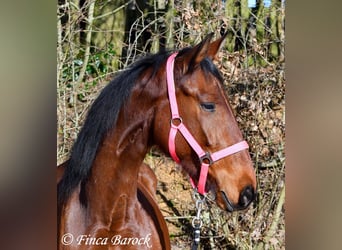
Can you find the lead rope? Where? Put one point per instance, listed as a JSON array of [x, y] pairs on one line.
[[197, 223]]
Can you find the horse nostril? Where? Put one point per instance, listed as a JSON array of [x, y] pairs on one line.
[[246, 196]]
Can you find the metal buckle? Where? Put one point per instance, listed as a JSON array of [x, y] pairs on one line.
[[206, 159]]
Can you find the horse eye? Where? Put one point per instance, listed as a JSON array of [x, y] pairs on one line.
[[208, 106]]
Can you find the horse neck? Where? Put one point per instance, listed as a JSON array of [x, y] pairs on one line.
[[116, 166]]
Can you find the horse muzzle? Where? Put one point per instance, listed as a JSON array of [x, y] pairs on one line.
[[247, 196]]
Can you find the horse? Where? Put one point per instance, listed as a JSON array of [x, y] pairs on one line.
[[146, 194], [173, 100]]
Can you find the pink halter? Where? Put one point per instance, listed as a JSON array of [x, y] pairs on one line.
[[177, 125]]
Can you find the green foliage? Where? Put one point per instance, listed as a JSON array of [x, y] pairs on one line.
[[99, 64]]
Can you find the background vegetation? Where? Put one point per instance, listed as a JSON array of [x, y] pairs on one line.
[[97, 38]]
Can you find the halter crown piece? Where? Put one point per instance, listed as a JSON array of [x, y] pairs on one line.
[[206, 158]]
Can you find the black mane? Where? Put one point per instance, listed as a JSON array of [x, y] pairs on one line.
[[101, 118]]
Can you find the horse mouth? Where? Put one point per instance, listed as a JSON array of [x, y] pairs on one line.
[[229, 205]]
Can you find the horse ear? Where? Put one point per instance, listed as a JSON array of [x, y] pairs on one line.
[[215, 46], [192, 57]]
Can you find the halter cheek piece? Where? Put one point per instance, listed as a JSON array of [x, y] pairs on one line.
[[206, 158]]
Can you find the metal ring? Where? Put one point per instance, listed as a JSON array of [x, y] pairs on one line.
[[206, 159], [178, 120], [196, 223]]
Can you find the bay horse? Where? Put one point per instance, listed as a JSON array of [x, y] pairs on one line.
[[174, 101], [145, 206]]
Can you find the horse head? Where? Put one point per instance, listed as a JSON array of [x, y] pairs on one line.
[[204, 137]]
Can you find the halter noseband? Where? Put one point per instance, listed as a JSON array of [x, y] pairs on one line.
[[206, 158]]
